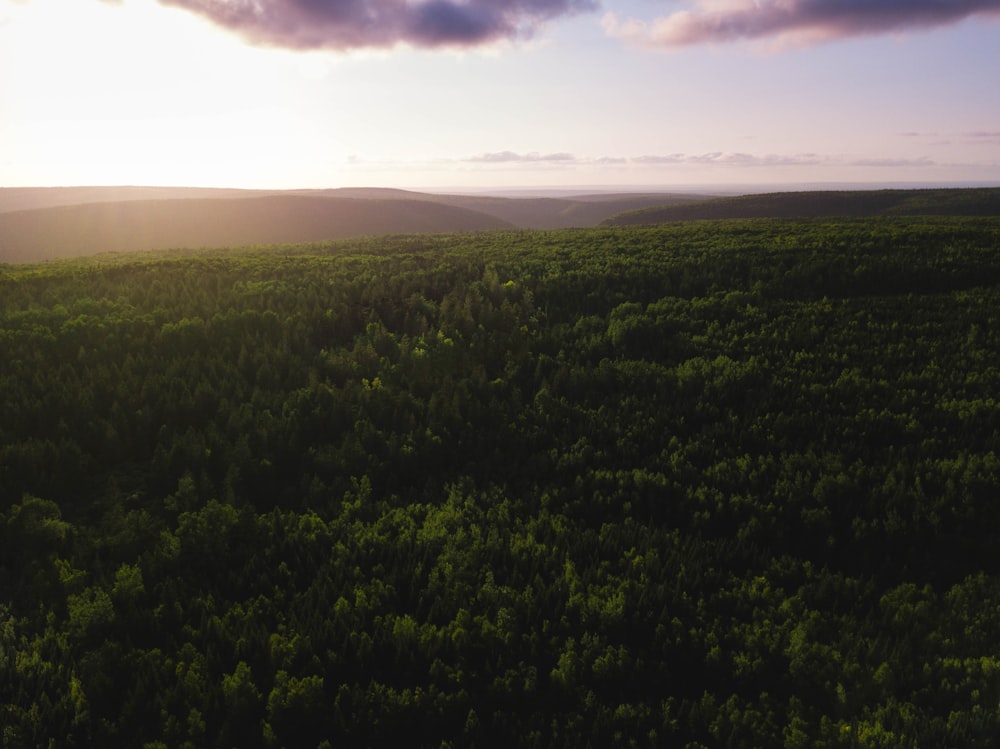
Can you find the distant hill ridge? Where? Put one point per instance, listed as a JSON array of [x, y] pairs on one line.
[[45, 223], [73, 230], [973, 201]]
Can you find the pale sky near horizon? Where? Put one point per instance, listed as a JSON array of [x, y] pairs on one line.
[[445, 94]]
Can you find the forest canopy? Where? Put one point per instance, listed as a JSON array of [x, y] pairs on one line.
[[718, 483]]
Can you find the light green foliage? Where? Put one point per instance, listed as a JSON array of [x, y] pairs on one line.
[[128, 582], [89, 612]]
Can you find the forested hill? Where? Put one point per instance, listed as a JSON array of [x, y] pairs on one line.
[[829, 204], [45, 223], [710, 484], [73, 230]]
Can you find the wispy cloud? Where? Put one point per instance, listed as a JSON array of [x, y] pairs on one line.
[[892, 162], [983, 137], [796, 22], [355, 24], [714, 158], [969, 137], [719, 161], [509, 157], [721, 158]]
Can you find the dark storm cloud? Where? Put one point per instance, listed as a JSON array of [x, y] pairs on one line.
[[797, 20], [354, 24]]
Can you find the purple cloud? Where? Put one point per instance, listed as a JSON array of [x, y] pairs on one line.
[[355, 24], [796, 21]]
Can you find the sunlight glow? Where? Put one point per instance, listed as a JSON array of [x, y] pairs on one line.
[[156, 97]]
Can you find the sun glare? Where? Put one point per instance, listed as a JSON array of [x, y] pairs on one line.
[[139, 94]]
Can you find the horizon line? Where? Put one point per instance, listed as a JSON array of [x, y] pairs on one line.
[[563, 189]]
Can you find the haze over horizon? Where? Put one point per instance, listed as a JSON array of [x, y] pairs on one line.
[[499, 94]]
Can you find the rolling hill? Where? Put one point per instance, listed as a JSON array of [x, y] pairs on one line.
[[45, 223], [74, 230], [31, 198], [825, 204]]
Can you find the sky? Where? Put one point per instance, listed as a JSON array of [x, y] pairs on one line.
[[489, 94]]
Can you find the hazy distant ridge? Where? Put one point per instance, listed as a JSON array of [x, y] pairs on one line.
[[67, 231], [44, 223], [984, 201], [67, 222], [32, 198]]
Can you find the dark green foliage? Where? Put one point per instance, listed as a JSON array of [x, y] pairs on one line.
[[979, 201], [727, 484]]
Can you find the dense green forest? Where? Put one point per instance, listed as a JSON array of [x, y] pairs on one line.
[[709, 484]]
